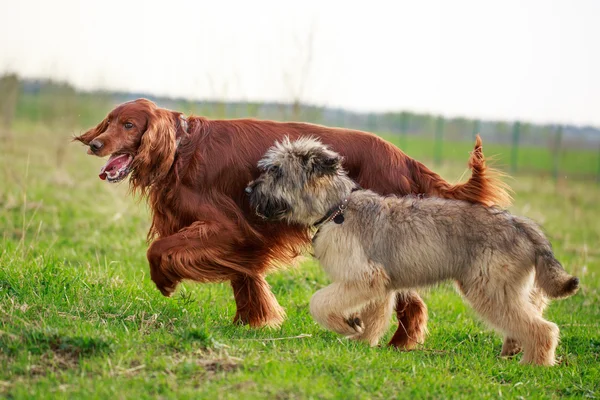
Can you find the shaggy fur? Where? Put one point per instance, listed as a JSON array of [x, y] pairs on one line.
[[193, 172], [372, 246]]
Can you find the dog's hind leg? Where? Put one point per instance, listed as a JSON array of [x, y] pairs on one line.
[[539, 338], [510, 310], [411, 312], [376, 317], [511, 346], [256, 304]]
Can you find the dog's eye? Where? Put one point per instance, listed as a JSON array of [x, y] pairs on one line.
[[273, 169], [128, 125]]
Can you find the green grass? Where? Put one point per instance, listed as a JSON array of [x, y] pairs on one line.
[[80, 317]]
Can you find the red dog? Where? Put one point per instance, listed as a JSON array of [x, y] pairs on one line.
[[194, 172]]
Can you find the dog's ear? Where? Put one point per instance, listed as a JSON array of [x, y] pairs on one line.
[[93, 133], [327, 163], [157, 148]]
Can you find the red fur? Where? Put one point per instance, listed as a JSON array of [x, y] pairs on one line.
[[411, 312], [202, 227]]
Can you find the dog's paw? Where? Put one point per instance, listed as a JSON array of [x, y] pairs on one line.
[[355, 323], [165, 285], [510, 352], [166, 291], [510, 348]]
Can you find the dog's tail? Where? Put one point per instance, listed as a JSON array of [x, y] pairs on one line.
[[485, 186], [550, 276], [549, 273]]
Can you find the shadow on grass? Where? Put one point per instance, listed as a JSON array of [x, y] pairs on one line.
[[40, 342]]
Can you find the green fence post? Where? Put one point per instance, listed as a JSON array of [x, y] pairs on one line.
[[556, 155], [403, 129], [439, 133], [372, 122], [515, 146], [476, 128], [598, 176]]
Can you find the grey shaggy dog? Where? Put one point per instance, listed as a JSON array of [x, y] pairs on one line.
[[372, 246]]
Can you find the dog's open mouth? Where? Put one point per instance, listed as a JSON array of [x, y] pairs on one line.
[[116, 168]]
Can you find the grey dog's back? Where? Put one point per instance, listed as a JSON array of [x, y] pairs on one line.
[[417, 234]]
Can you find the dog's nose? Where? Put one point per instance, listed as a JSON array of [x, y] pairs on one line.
[[96, 145], [250, 188]]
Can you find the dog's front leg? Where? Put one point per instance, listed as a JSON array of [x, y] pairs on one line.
[[207, 251], [376, 317], [201, 252], [337, 306]]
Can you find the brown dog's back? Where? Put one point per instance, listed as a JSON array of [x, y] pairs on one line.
[[371, 161]]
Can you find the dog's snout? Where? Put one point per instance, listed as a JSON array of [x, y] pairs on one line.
[[96, 145]]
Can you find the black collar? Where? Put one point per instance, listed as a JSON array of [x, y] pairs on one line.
[[335, 214]]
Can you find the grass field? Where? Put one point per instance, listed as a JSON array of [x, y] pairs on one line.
[[80, 318]]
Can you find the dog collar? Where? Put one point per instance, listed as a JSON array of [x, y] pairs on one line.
[[183, 124], [336, 214]]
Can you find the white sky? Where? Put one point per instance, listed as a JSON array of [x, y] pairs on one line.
[[537, 60]]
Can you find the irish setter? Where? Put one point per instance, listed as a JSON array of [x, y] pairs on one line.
[[193, 172]]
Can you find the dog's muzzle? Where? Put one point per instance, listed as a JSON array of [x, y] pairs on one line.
[[271, 209], [264, 206]]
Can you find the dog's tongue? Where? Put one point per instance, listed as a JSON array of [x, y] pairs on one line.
[[114, 163]]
